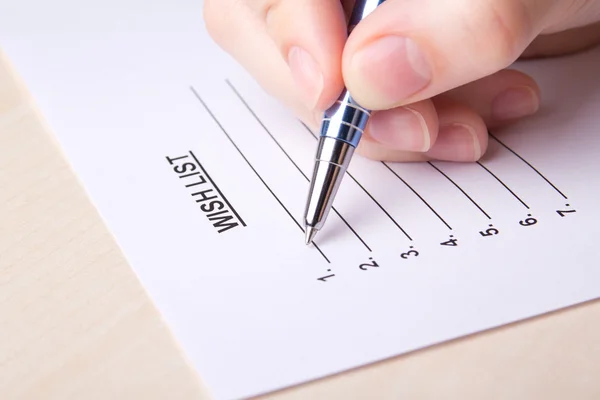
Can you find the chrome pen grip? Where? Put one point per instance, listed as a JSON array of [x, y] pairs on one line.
[[345, 120]]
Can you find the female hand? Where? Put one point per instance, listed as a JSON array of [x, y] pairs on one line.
[[435, 72]]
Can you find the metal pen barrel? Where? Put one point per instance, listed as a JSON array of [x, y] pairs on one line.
[[341, 130]]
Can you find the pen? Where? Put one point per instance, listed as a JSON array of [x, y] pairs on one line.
[[341, 129]]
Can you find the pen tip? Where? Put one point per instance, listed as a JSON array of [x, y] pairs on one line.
[[311, 232]]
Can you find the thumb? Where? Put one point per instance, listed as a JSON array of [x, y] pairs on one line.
[[410, 50], [310, 35]]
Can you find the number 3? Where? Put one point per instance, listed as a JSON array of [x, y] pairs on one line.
[[410, 253]]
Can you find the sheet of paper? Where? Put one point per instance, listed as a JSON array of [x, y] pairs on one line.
[[202, 178]]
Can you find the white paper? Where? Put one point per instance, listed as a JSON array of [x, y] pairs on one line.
[[116, 81]]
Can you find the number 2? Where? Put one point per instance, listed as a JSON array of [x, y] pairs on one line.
[[371, 264]]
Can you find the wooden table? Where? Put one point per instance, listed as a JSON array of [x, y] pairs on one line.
[[76, 324]]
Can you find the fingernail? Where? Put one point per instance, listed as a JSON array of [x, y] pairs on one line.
[[390, 70], [401, 129], [514, 103], [306, 74], [456, 142]]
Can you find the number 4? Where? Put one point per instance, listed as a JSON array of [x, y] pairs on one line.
[[450, 242]]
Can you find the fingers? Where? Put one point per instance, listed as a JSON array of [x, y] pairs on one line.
[[500, 98], [376, 151], [310, 35], [411, 128], [461, 137], [410, 50], [433, 127], [239, 31], [296, 49], [565, 42], [292, 48]]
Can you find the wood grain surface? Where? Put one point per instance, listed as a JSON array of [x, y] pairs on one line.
[[75, 323]]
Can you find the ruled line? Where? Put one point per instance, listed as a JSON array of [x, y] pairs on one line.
[[251, 166], [366, 192], [417, 194], [461, 189], [528, 164], [380, 206], [503, 184], [290, 158], [319, 249]]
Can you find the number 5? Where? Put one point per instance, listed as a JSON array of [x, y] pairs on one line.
[[490, 232]]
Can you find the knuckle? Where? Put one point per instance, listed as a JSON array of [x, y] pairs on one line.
[[268, 11], [215, 14], [504, 31], [576, 14]]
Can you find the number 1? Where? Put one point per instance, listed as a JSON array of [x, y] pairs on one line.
[[563, 212]]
